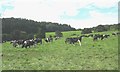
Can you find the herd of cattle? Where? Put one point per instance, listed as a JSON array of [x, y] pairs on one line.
[[71, 40]]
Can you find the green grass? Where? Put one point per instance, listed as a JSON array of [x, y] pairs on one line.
[[99, 55]]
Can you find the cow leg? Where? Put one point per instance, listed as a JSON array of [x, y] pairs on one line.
[[22, 46], [79, 42], [29, 46]]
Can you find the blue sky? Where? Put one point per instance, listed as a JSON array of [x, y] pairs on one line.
[[77, 13]]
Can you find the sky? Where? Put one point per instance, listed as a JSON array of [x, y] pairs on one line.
[[77, 13]]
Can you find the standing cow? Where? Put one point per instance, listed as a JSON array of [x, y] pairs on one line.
[[74, 40]]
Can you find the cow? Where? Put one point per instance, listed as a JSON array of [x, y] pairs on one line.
[[118, 33], [28, 43], [84, 36], [49, 39], [90, 35], [20, 42], [56, 38], [74, 40], [106, 36], [114, 34], [73, 34], [38, 40], [14, 42], [97, 36], [100, 36], [3, 41]]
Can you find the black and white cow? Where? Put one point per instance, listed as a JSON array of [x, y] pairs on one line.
[[56, 38], [28, 43], [49, 39], [90, 35], [97, 36], [114, 34], [100, 36], [38, 40], [106, 36], [118, 33], [14, 42], [74, 40]]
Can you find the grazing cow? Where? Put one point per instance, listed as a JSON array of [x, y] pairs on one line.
[[3, 42], [17, 42], [90, 35], [28, 43], [49, 39], [101, 37], [114, 34], [56, 38], [106, 36], [14, 42], [118, 33], [84, 36], [74, 40], [73, 34], [38, 40], [20, 42], [97, 36]]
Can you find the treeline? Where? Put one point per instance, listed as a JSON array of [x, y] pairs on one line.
[[11, 24], [18, 28], [101, 28]]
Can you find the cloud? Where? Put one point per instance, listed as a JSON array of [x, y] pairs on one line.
[[56, 10], [105, 3], [96, 18], [4, 5]]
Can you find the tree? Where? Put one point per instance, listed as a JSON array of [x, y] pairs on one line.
[[30, 36], [40, 33], [6, 37], [100, 28], [86, 31], [23, 35], [16, 35], [58, 34]]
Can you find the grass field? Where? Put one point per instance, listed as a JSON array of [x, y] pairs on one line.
[[99, 55]]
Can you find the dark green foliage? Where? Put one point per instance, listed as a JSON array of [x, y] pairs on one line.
[[23, 35], [14, 26], [86, 31], [30, 36], [40, 33], [52, 27], [15, 34], [6, 37], [79, 29], [114, 27], [119, 27], [100, 28], [58, 34]]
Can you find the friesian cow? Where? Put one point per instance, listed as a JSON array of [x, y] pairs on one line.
[[38, 40], [74, 40], [101, 37], [49, 39], [28, 43]]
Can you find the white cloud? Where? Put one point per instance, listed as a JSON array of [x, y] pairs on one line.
[[96, 19], [105, 3], [52, 10]]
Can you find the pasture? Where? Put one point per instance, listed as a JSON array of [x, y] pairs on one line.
[[98, 55]]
